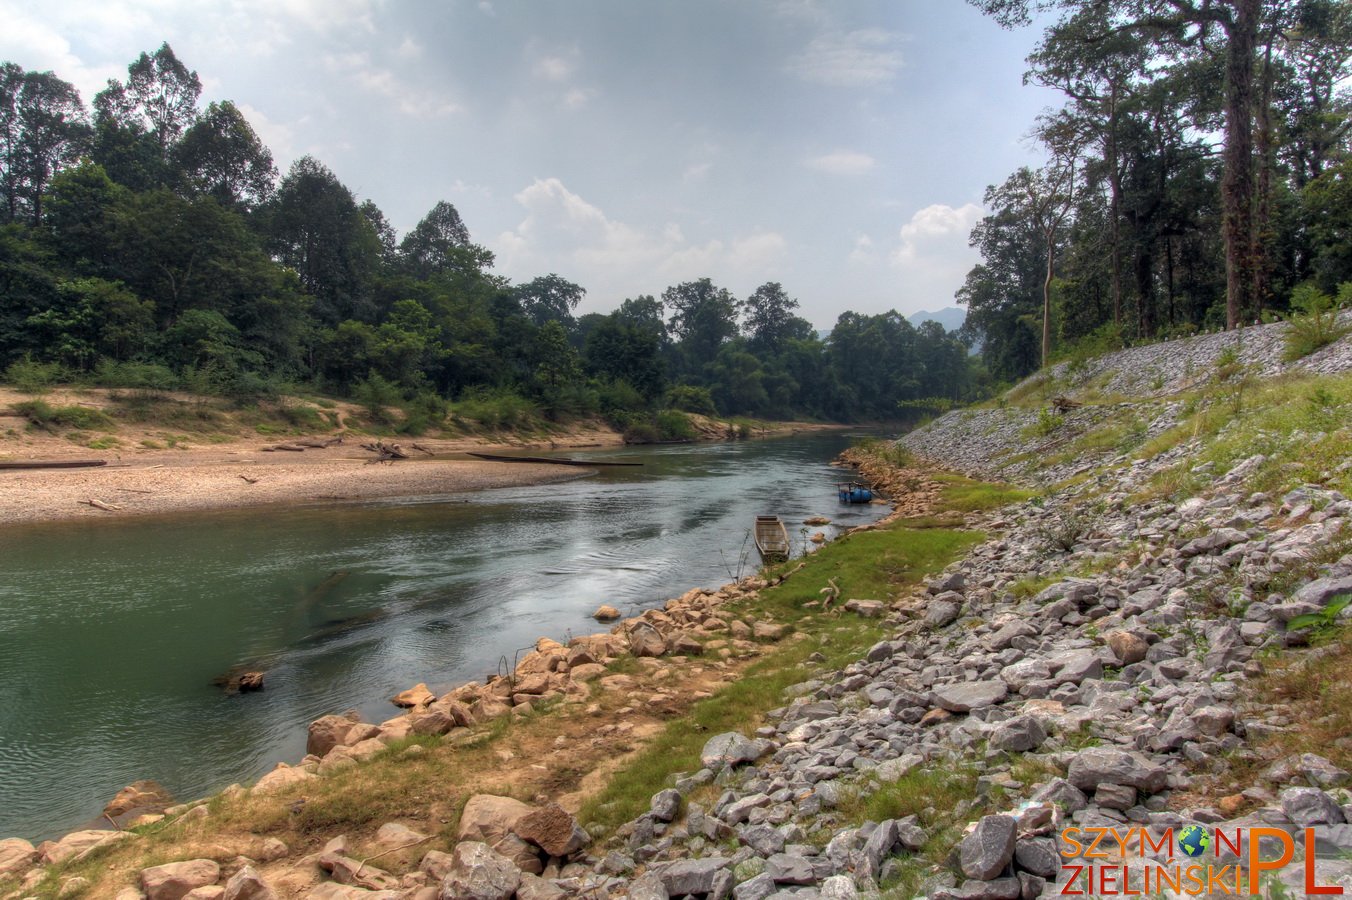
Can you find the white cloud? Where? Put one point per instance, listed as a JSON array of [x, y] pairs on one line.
[[382, 82], [696, 171], [554, 68], [842, 162], [863, 251], [931, 257], [562, 232], [578, 97], [866, 57], [936, 225], [409, 49]]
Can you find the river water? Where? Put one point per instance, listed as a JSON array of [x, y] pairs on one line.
[[111, 634]]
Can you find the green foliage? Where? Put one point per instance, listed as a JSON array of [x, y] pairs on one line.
[[1316, 323], [1048, 423], [1324, 622], [495, 409], [674, 426], [42, 415], [35, 377], [378, 397], [691, 399]]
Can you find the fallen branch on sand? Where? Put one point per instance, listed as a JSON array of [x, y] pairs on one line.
[[384, 452], [249, 480], [99, 504]]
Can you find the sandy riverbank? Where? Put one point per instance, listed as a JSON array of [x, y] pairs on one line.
[[153, 470]]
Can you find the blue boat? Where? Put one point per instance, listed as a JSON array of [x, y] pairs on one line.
[[853, 492]]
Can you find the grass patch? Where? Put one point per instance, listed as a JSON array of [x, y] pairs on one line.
[[965, 495], [41, 414]]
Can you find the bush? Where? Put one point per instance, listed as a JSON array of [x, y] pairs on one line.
[[692, 399], [674, 426], [500, 408], [1315, 324], [140, 376], [376, 395], [43, 415], [642, 433], [35, 377]]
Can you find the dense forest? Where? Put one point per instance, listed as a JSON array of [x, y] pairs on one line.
[[1197, 177], [150, 243]]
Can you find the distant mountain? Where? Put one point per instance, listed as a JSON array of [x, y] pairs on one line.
[[951, 317]]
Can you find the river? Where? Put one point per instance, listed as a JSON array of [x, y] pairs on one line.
[[111, 634]]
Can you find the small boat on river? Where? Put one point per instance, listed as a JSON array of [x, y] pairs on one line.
[[853, 492], [772, 538], [549, 460]]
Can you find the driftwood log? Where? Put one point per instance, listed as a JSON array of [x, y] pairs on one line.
[[384, 452], [249, 480], [99, 504]]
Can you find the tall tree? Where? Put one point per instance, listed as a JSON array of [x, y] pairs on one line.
[[53, 133], [768, 319], [11, 83], [549, 298], [315, 227], [703, 316], [1181, 26], [164, 93], [221, 155], [440, 244]]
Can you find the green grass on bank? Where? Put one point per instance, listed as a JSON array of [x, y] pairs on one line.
[[871, 565]]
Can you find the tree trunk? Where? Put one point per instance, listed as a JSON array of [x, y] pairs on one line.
[[1145, 292], [1115, 207], [1262, 226], [1237, 183], [1047, 298]]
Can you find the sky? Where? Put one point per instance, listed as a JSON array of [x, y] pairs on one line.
[[839, 148]]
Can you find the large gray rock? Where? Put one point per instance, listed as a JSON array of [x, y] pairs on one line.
[[1310, 806], [1306, 768], [998, 889], [692, 876], [838, 887], [479, 873], [1322, 590], [786, 868], [1019, 734], [665, 805], [764, 839], [728, 749], [756, 888], [969, 695], [942, 612], [1095, 765], [988, 849], [1038, 855]]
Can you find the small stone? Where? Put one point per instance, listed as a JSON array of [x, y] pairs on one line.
[[173, 881], [479, 873], [606, 613], [665, 805]]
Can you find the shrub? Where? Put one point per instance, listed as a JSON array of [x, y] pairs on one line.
[[376, 395], [1316, 324], [43, 415], [500, 408], [673, 426], [140, 376], [34, 377], [642, 433], [691, 399]]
